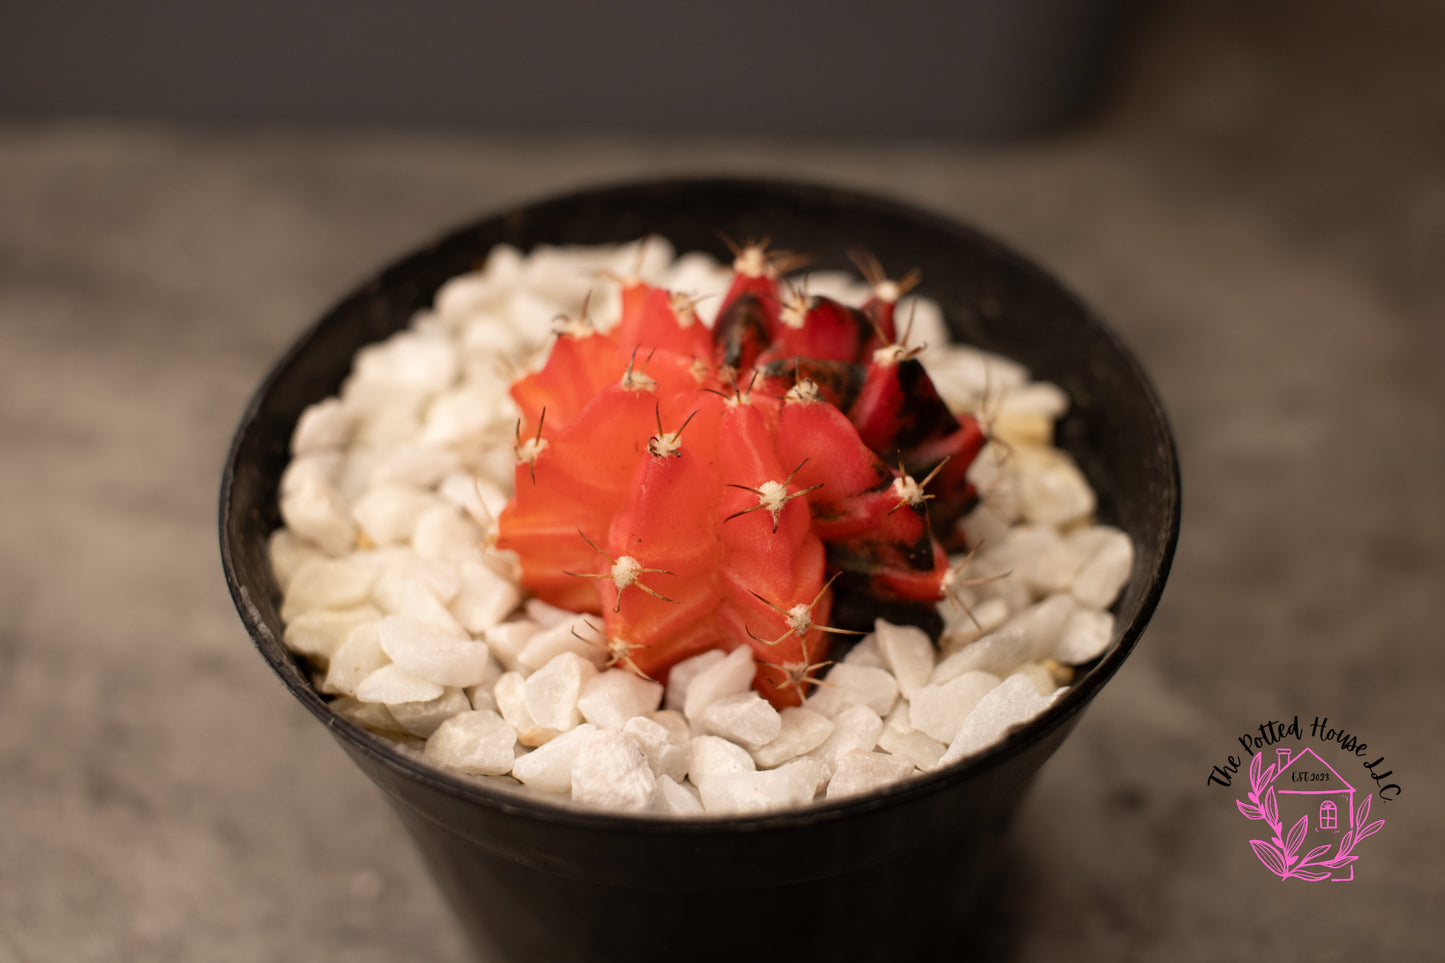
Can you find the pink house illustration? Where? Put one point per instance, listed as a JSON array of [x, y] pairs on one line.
[[1305, 785]]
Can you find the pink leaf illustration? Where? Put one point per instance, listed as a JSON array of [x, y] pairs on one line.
[[1269, 856], [1271, 806], [1314, 853], [1313, 875], [1269, 773], [1250, 812], [1339, 861], [1369, 830], [1256, 768], [1296, 836]]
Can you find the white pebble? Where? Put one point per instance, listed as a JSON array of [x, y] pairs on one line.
[[963, 376], [1007, 586], [865, 654], [801, 731], [612, 772], [758, 791], [388, 414], [315, 510], [328, 583], [907, 652], [549, 767], [482, 341], [1013, 701], [442, 532], [388, 513], [394, 685], [356, 658], [392, 418], [860, 772], [401, 566], [320, 633], [808, 775], [324, 426], [503, 266], [483, 597], [838, 285], [432, 653], [612, 698], [479, 500], [323, 466], [415, 600], [968, 625], [745, 718], [1020, 428], [556, 268], [536, 310], [674, 722], [548, 616], [507, 639], [856, 727], [289, 553], [919, 748], [680, 676], [1039, 556], [939, 710], [732, 674], [1035, 398], [1052, 490], [983, 526], [416, 466], [714, 756], [421, 717], [578, 635], [480, 743], [510, 695], [923, 318], [851, 685], [553, 690], [1044, 620], [372, 716], [1026, 637], [1088, 539], [461, 416], [462, 296], [427, 362], [1086, 635], [656, 252], [694, 273], [673, 799], [1104, 573], [667, 755]]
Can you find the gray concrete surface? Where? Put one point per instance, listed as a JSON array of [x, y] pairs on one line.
[[1261, 214]]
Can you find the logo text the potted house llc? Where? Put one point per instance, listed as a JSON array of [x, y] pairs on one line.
[[1327, 813]]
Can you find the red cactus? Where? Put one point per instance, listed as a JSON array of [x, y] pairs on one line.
[[703, 489]]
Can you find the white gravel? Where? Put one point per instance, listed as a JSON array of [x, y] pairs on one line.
[[419, 631]]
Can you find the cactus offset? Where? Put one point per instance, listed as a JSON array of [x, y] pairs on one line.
[[714, 488]]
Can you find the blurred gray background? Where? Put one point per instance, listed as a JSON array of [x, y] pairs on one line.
[[1253, 195], [921, 67]]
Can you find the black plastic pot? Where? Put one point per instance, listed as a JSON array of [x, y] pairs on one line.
[[888, 876]]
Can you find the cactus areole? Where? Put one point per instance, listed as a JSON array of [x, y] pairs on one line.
[[785, 476]]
